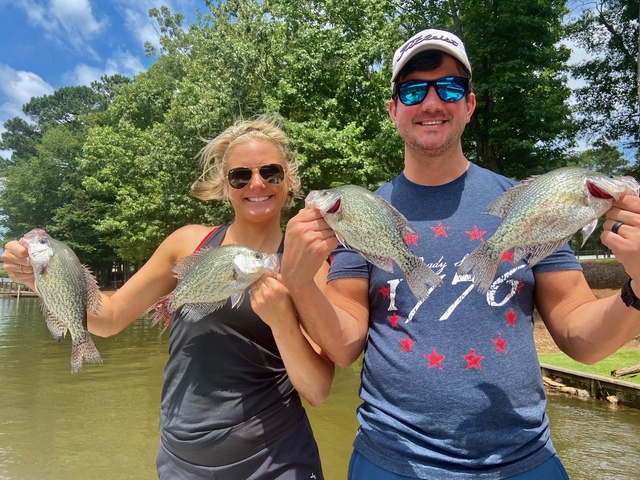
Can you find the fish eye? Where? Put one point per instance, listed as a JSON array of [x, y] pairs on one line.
[[257, 255], [43, 241]]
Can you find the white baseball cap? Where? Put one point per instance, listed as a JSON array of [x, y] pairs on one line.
[[430, 39]]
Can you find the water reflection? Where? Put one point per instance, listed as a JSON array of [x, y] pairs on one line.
[[102, 423]]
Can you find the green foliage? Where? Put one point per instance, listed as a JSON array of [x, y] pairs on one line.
[[108, 167], [608, 105]]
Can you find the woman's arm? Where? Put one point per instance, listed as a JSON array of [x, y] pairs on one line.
[[152, 282], [310, 372]]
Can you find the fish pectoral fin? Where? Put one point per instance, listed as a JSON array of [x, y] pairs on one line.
[[237, 298], [196, 311], [384, 263], [536, 253], [587, 230]]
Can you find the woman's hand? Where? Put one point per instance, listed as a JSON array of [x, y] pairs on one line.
[[271, 301], [17, 264]]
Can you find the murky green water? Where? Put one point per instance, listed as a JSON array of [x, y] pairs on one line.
[[102, 423]]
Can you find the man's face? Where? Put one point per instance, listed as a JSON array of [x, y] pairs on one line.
[[433, 127]]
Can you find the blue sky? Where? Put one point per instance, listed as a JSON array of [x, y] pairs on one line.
[[49, 44]]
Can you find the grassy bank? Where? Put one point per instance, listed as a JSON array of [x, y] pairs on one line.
[[620, 359]]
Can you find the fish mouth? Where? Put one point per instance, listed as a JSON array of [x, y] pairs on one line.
[[335, 207], [597, 192]]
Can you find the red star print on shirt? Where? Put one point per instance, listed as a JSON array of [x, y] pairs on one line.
[[473, 360], [511, 317], [407, 343], [394, 319], [435, 360], [384, 291], [507, 257], [411, 238], [476, 234], [440, 230], [501, 344]]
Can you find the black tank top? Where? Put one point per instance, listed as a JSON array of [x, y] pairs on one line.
[[222, 370]]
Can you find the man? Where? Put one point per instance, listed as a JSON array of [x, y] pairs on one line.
[[451, 388]]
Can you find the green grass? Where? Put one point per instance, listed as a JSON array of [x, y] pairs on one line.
[[619, 359]]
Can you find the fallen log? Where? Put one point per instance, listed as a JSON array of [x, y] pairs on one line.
[[623, 372]]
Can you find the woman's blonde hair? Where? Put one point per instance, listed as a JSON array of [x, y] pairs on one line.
[[213, 157]]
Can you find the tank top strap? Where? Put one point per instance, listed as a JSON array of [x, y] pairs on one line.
[[214, 237]]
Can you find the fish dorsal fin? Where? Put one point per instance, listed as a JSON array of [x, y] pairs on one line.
[[400, 220], [501, 205], [184, 264], [93, 291]]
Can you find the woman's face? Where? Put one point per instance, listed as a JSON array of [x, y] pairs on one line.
[[258, 199]]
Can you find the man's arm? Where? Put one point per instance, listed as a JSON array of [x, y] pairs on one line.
[[585, 328], [338, 321]]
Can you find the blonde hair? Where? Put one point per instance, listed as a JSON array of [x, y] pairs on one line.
[[213, 157]]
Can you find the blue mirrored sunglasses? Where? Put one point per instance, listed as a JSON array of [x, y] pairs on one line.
[[449, 89]]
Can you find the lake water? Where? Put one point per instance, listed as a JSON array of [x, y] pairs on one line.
[[102, 423]]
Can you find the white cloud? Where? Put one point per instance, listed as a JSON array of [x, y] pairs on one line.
[[123, 63], [17, 87], [68, 22]]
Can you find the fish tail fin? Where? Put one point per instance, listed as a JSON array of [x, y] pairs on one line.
[[422, 280], [483, 263], [83, 349], [163, 313]]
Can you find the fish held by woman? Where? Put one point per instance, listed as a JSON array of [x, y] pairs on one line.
[[368, 224], [67, 289], [541, 214], [210, 277]]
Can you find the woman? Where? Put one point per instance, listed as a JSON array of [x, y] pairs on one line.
[[230, 407]]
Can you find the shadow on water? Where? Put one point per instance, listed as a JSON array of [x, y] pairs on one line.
[[102, 423]]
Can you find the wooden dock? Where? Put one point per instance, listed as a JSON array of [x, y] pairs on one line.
[[14, 289]]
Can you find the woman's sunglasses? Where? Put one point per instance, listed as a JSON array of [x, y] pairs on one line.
[[241, 177], [449, 89]]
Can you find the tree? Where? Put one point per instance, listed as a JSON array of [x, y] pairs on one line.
[[609, 102]]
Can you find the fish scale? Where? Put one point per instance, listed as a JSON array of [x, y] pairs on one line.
[[541, 214]]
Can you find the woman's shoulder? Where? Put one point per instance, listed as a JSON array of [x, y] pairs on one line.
[[185, 240]]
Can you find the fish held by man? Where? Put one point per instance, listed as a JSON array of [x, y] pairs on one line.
[[368, 224], [67, 289], [541, 214], [210, 277]]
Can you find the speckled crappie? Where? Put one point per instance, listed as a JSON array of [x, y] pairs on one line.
[[368, 224], [210, 277], [541, 214], [67, 290]]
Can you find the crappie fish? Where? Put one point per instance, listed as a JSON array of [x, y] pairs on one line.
[[368, 224], [67, 290], [211, 276], [541, 214]]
